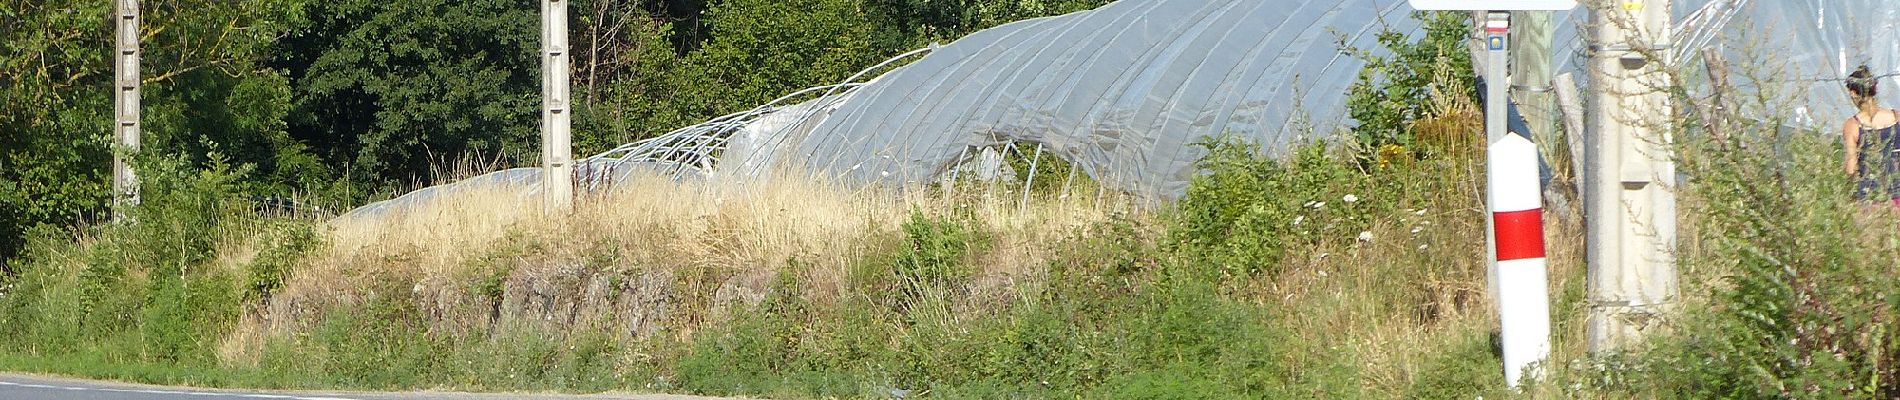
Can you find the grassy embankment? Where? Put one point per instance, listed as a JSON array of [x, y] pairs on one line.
[[1327, 275], [1248, 287]]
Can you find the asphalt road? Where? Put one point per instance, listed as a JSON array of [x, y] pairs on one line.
[[33, 387]]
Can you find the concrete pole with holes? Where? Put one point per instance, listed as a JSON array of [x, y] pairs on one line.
[[1630, 177], [557, 153], [125, 106]]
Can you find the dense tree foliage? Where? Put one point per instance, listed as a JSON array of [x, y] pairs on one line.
[[342, 101], [204, 95], [386, 89]]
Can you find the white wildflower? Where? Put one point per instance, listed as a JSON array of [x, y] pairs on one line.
[[1298, 219], [1425, 223], [1319, 204], [1423, 246], [1365, 236], [1322, 274], [1420, 211], [1351, 199], [1417, 229], [1322, 256]]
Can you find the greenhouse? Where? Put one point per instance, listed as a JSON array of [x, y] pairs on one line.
[[1124, 91]]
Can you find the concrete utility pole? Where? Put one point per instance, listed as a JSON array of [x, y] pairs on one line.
[[557, 153], [125, 106], [1630, 174]]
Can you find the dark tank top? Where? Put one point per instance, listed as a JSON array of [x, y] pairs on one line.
[[1878, 177]]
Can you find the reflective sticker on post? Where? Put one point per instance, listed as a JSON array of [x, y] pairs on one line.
[[1520, 234], [1497, 43], [1497, 26]]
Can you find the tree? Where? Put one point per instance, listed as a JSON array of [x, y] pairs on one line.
[[55, 97], [386, 91], [915, 23]]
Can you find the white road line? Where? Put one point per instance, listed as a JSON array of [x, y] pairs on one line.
[[143, 391]]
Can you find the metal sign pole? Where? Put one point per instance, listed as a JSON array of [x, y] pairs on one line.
[[1496, 28]]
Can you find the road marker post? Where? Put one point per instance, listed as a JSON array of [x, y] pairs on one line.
[[1514, 238], [1517, 224]]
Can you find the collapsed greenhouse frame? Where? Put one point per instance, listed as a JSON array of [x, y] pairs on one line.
[[1118, 92]]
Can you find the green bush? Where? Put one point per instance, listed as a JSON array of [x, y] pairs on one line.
[[1392, 92], [143, 291], [1802, 307], [285, 245], [1244, 210], [930, 260], [1171, 383], [934, 251], [768, 348]]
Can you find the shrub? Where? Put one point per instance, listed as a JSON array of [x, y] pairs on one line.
[[1245, 210], [285, 244], [931, 259], [142, 291], [1394, 92], [1801, 307]]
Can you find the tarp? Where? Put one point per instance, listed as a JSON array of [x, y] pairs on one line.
[[1124, 91]]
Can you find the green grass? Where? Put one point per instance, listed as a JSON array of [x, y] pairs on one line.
[[1249, 287], [1129, 307]]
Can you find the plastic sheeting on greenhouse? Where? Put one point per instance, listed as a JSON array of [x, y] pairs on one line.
[[1125, 90]]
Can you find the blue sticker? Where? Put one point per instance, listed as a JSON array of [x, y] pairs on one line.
[[1497, 43]]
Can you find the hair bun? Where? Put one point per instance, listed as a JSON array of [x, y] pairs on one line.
[[1862, 82]]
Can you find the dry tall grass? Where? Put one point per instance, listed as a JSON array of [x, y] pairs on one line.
[[652, 256], [657, 258]]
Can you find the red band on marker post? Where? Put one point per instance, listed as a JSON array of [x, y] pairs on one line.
[[1520, 234], [1497, 26]]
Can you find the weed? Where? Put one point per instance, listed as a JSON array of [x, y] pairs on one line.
[[286, 243]]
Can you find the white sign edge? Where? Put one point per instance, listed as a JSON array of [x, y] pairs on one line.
[[1492, 5]]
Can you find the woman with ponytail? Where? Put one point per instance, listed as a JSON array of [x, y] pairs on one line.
[[1872, 140]]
